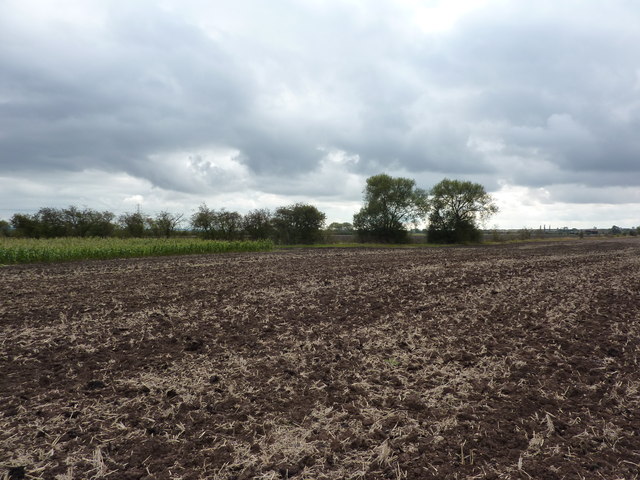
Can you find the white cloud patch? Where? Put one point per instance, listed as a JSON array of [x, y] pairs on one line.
[[557, 207]]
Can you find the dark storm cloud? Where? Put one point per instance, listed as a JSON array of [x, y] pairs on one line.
[[532, 93]]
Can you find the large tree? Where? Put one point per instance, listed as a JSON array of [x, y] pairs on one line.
[[88, 222], [203, 221], [457, 208], [228, 225], [257, 224], [298, 223], [26, 225], [133, 224], [389, 205]]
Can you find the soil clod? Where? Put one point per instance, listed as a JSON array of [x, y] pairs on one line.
[[95, 385], [17, 473]]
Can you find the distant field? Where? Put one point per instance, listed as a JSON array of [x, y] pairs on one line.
[[493, 362], [15, 250]]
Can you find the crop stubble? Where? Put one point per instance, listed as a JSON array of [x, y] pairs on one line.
[[490, 362]]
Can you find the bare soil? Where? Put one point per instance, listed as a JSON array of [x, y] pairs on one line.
[[498, 362]]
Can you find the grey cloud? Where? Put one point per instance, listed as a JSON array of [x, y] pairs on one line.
[[550, 81], [117, 101], [556, 86], [576, 194]]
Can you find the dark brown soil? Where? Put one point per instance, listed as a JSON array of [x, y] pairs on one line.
[[489, 362]]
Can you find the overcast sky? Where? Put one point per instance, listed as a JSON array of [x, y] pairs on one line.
[[170, 103]]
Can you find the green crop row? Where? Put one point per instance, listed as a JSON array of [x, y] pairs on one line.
[[14, 250]]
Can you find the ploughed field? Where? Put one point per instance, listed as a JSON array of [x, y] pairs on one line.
[[516, 361]]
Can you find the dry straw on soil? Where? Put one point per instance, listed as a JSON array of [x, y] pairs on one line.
[[496, 362]]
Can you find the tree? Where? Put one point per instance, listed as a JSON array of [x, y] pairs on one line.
[[203, 221], [74, 220], [5, 228], [87, 222], [52, 223], [25, 225], [228, 225], [69, 222], [257, 224], [298, 223], [218, 225], [456, 209], [164, 224], [100, 224], [133, 224], [46, 222], [389, 205]]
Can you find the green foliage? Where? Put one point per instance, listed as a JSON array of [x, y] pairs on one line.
[[5, 228], [456, 208], [52, 223], [25, 225], [298, 223], [14, 250], [88, 222], [203, 221], [615, 230], [217, 225], [460, 231], [389, 204], [257, 224], [392, 362], [71, 221], [133, 224], [164, 224], [228, 225]]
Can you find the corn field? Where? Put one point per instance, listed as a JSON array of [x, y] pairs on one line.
[[17, 250]]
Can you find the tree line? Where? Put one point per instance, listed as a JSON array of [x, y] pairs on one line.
[[453, 209], [297, 223]]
